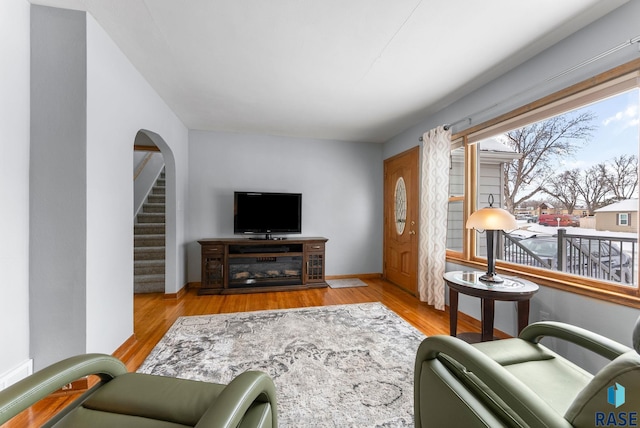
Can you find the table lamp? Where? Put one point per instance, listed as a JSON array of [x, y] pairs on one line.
[[491, 219]]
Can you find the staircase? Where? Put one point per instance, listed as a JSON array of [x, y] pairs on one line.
[[148, 238]]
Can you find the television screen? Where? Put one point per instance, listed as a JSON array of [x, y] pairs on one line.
[[267, 213]]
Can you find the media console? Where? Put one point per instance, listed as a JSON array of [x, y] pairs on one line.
[[231, 265]]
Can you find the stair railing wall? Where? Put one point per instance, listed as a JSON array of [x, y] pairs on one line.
[[146, 172]]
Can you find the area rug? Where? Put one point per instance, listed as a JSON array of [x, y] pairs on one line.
[[346, 283], [333, 366]]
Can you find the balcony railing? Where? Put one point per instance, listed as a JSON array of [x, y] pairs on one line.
[[606, 258]]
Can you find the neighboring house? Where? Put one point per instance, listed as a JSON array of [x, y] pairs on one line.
[[546, 208], [620, 216], [526, 211], [577, 211]]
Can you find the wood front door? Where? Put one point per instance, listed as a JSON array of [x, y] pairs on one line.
[[401, 199]]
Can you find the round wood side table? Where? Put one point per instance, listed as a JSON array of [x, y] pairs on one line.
[[469, 283]]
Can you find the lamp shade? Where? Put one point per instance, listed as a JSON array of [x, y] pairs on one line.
[[492, 218]]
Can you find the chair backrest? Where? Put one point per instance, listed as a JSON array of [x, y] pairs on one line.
[[606, 391]]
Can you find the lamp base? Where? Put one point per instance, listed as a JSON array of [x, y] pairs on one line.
[[491, 277]]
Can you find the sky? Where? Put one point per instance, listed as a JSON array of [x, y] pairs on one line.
[[618, 131]]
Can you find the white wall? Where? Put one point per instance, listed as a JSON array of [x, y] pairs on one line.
[[14, 185], [119, 103], [341, 186], [91, 103], [57, 194], [612, 320]]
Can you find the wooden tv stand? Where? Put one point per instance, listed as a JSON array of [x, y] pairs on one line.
[[231, 265]]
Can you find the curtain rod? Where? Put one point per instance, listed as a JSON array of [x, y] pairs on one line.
[[563, 73]]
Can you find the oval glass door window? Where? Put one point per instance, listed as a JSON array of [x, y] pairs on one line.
[[401, 205]]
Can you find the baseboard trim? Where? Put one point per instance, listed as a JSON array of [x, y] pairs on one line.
[[178, 295], [125, 348]]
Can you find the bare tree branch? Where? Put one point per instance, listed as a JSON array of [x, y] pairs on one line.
[[595, 187], [622, 176], [542, 146], [565, 188]]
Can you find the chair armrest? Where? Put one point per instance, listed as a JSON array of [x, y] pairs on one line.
[[37, 386], [515, 394], [237, 397], [587, 339]]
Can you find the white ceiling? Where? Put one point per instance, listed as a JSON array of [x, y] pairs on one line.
[[353, 70]]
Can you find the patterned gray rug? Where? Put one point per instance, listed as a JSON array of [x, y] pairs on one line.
[[333, 366]]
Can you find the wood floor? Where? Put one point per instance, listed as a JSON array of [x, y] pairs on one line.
[[153, 315]]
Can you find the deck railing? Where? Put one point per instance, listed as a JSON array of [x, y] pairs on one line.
[[607, 258]]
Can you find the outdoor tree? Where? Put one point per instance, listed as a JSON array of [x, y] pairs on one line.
[[594, 188], [565, 188], [600, 185], [622, 176], [542, 146]]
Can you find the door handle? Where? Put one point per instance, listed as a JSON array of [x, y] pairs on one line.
[[412, 232]]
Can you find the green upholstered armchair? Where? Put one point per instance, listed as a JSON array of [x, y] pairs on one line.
[[518, 382], [122, 399]]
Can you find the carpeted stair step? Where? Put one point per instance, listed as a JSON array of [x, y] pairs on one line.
[[148, 229], [153, 207], [148, 284], [155, 278], [151, 218], [148, 253], [156, 199], [148, 267], [148, 240]]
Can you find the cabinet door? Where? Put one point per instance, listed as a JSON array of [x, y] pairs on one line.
[[314, 263], [213, 266]]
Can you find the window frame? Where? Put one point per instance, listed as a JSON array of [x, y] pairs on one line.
[[626, 221], [459, 143], [617, 80]]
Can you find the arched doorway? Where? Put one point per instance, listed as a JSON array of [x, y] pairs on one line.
[[149, 141]]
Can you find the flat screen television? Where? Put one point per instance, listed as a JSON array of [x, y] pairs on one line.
[[260, 213]]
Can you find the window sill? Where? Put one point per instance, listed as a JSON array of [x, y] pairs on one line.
[[559, 282]]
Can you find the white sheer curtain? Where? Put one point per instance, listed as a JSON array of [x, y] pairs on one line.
[[434, 203]]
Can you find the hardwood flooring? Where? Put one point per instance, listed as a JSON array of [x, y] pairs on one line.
[[154, 314]]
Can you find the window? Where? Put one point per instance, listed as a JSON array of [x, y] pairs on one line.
[[567, 168], [585, 159], [623, 219], [455, 217]]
